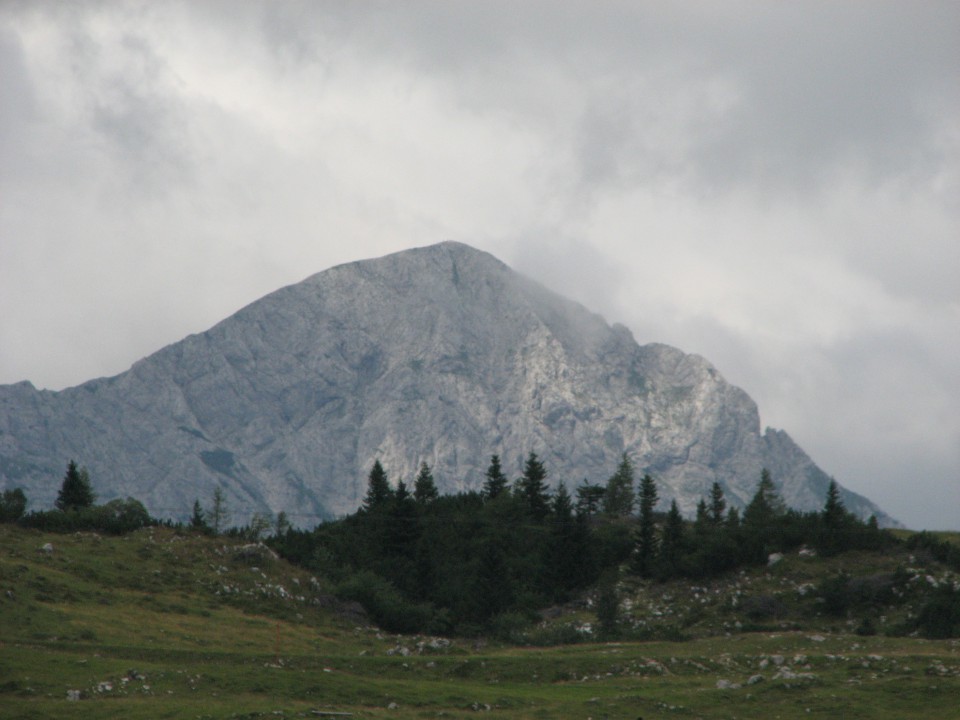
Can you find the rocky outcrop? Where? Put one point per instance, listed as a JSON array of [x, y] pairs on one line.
[[440, 354]]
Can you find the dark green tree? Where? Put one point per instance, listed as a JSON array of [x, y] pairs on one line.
[[568, 549], [607, 607], [702, 523], [75, 492], [619, 498], [13, 504], [836, 524], [589, 498], [198, 520], [835, 515], [732, 523], [645, 539], [493, 589], [424, 488], [672, 542], [379, 491], [766, 504], [760, 520], [718, 504], [532, 488], [496, 481], [403, 528]]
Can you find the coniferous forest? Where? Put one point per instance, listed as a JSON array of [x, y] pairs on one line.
[[490, 561]]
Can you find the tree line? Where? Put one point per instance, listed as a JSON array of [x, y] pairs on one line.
[[475, 561], [489, 561]]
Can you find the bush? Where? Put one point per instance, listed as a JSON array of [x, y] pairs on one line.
[[13, 503], [939, 618], [836, 595], [385, 604], [763, 607], [117, 517], [866, 627]]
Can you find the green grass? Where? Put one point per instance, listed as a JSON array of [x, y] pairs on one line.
[[195, 627]]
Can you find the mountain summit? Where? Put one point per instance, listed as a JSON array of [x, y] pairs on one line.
[[440, 354]]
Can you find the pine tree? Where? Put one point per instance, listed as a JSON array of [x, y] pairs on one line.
[[424, 488], [834, 513], [702, 523], [766, 504], [717, 504], [760, 518], [671, 545], [75, 492], [619, 498], [533, 488], [835, 523], [645, 542], [198, 521], [496, 481], [378, 489], [562, 506], [589, 498]]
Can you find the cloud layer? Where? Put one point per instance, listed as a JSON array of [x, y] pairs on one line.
[[774, 187]]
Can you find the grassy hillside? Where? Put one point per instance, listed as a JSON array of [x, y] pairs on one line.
[[158, 624]]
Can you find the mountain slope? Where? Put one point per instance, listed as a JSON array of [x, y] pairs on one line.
[[440, 354]]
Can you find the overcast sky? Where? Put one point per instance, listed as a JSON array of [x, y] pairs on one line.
[[775, 186]]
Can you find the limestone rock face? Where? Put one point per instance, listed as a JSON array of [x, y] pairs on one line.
[[440, 354]]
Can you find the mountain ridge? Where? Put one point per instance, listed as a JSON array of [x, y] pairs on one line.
[[440, 354]]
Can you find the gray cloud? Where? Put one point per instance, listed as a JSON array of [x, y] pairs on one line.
[[774, 187]]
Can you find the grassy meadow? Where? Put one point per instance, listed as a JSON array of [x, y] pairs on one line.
[[160, 624]]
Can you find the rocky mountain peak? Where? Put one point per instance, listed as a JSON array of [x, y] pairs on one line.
[[440, 354]]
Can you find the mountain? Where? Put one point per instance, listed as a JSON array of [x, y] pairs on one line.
[[440, 354]]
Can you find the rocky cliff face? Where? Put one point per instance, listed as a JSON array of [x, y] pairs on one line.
[[439, 354]]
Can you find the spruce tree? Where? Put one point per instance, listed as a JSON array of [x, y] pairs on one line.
[[835, 523], [645, 540], [717, 504], [496, 481], [760, 518], [834, 513], [589, 498], [424, 488], [703, 522], [533, 488], [198, 520], [671, 545], [378, 489], [619, 498], [75, 492], [766, 504]]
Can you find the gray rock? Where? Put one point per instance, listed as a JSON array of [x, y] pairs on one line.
[[440, 354]]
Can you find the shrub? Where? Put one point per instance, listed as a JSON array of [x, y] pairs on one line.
[[385, 604], [939, 618]]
